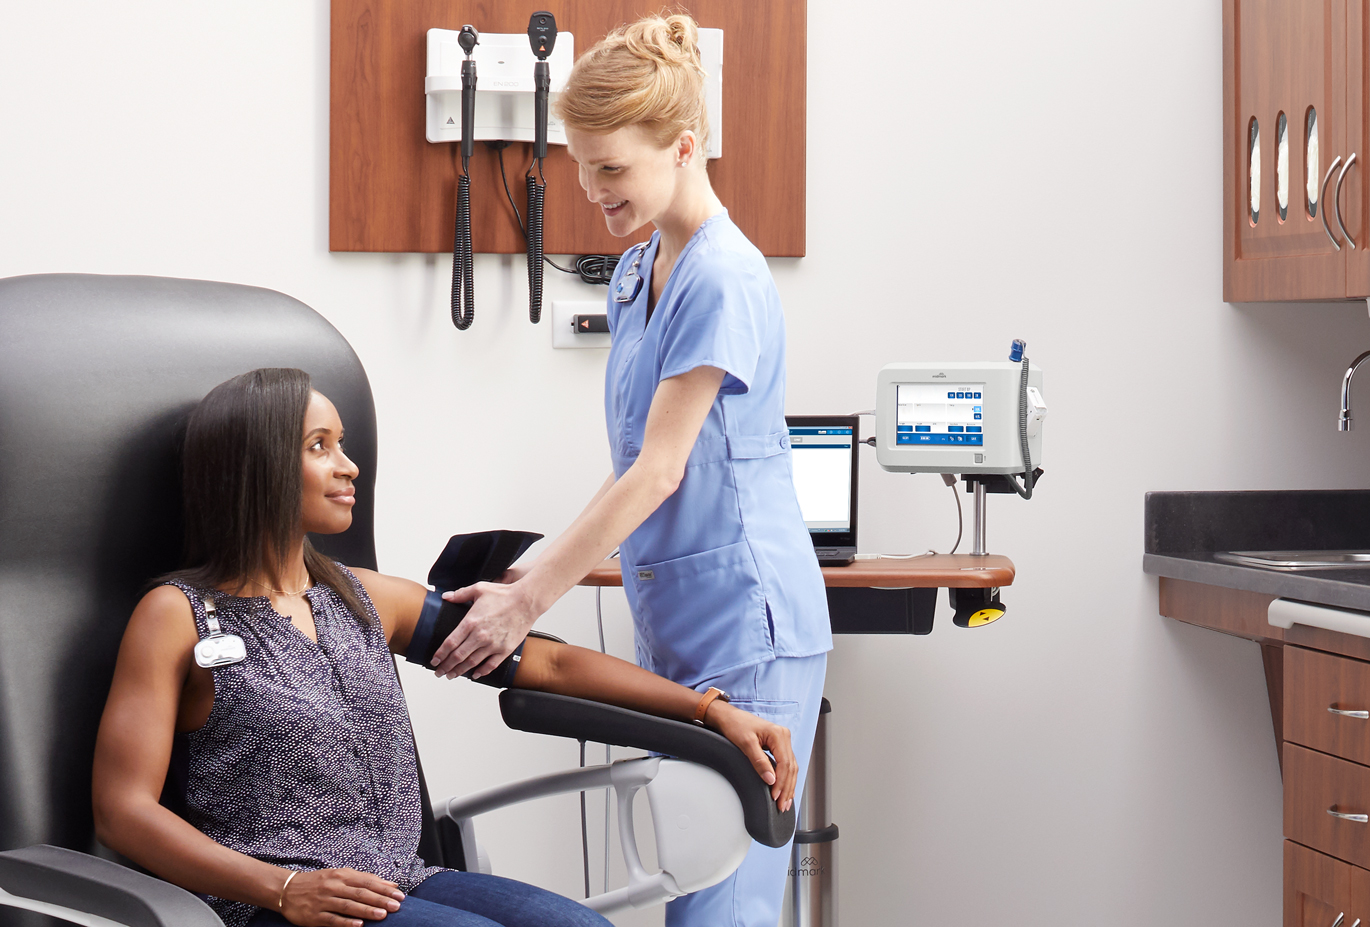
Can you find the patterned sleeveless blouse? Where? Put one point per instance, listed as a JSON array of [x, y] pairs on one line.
[[307, 760]]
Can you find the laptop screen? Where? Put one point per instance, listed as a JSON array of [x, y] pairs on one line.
[[823, 451]]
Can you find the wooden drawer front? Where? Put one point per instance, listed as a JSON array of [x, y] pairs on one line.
[[1315, 682], [1315, 782], [1317, 888]]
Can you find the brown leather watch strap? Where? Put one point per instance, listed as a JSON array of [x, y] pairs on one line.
[[705, 701]]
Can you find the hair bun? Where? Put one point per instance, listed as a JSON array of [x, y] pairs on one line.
[[684, 33], [671, 39]]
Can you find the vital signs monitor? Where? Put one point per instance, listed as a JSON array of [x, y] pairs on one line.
[[957, 417]]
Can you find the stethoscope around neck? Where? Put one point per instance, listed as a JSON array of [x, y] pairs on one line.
[[630, 284]]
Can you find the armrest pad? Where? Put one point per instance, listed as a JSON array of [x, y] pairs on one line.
[[563, 716], [97, 886]]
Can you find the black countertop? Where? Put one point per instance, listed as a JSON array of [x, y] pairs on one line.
[[1185, 529]]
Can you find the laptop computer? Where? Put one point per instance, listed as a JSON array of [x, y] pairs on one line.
[[823, 449]]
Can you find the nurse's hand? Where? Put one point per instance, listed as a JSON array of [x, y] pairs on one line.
[[498, 621], [753, 735]]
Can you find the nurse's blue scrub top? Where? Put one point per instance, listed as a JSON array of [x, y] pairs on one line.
[[723, 574]]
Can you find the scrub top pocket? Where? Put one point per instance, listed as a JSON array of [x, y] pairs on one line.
[[679, 603]]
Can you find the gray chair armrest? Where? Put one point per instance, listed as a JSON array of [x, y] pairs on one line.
[[90, 885], [563, 716]]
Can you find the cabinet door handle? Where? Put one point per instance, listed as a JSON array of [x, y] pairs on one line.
[[1322, 198], [1363, 715], [1340, 917], [1336, 200], [1357, 818], [1357, 923]]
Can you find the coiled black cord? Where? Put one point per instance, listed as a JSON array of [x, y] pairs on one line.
[[595, 269], [592, 268], [536, 192], [463, 261]]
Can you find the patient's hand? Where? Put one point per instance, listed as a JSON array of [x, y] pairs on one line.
[[339, 898], [752, 735]]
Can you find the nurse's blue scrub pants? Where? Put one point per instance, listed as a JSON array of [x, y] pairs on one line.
[[788, 691]]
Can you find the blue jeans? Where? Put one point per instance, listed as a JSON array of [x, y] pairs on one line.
[[788, 691], [473, 899]]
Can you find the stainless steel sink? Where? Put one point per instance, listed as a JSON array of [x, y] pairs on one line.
[[1299, 559]]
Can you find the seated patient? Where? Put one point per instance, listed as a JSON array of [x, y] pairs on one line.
[[301, 803]]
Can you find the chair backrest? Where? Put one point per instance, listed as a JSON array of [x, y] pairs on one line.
[[97, 376]]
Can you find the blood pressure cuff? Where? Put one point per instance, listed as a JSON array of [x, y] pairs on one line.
[[439, 619]]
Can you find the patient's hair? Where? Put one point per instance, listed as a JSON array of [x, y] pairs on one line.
[[242, 483], [646, 73]]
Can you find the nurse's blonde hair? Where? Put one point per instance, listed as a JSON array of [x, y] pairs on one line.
[[646, 73]]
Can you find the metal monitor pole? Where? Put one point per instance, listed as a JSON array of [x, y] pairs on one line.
[[978, 537], [811, 900]]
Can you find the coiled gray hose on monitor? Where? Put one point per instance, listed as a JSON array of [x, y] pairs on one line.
[[1025, 488]]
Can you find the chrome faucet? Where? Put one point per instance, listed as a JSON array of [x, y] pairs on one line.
[[1344, 420]]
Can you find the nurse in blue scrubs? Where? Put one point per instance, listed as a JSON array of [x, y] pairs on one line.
[[726, 594]]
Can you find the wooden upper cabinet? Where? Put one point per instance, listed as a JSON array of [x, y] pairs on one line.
[[1355, 195], [1284, 108]]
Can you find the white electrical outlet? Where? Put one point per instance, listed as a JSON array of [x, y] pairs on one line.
[[563, 333]]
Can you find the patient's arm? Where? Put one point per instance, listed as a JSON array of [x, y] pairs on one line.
[[551, 666], [132, 754]]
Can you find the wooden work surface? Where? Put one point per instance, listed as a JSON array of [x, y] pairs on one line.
[[939, 571], [391, 190]]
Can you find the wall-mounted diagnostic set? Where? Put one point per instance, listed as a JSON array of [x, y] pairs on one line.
[[981, 421], [498, 88], [519, 73]]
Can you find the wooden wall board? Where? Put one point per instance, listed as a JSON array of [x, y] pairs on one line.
[[392, 190]]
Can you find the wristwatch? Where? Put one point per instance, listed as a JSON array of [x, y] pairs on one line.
[[706, 700]]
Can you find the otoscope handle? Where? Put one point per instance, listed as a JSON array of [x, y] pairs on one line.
[[542, 81], [468, 108]]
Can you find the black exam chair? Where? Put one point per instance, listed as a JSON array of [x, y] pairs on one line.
[[97, 375]]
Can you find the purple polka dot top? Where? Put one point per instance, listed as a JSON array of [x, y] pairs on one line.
[[307, 759]]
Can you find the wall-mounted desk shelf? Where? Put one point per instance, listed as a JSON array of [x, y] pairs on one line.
[[882, 596]]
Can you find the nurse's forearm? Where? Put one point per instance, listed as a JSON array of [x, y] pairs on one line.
[[679, 407], [590, 506], [623, 506]]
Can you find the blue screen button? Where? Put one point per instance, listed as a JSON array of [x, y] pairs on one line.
[[922, 428], [977, 416], [977, 395], [973, 428]]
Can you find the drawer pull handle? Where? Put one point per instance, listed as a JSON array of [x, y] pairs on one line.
[[1357, 923], [1358, 818], [1340, 917], [1363, 715], [1283, 613]]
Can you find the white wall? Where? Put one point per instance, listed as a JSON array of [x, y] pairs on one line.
[[1051, 172]]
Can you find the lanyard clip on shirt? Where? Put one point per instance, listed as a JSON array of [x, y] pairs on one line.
[[219, 649]]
